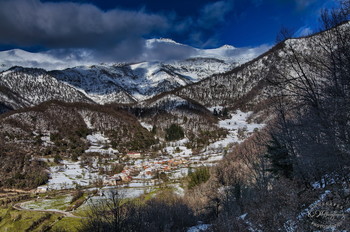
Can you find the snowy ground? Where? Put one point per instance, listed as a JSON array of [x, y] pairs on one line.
[[235, 125], [124, 191], [178, 149], [146, 125], [70, 174], [49, 204], [100, 144], [199, 228], [97, 138]]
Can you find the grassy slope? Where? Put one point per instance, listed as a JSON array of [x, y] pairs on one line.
[[13, 220]]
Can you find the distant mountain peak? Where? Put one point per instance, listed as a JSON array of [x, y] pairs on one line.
[[155, 50], [167, 40], [171, 41], [226, 46], [151, 42]]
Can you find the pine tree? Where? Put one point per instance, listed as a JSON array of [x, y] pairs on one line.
[[201, 175], [174, 132], [154, 130], [281, 163], [225, 112]]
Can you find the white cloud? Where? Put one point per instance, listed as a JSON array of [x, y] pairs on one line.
[[303, 31]]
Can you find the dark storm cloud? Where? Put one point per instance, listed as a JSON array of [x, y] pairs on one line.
[[78, 31], [72, 25], [112, 35]]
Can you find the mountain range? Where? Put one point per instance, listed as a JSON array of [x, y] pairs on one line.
[[103, 83], [158, 92]]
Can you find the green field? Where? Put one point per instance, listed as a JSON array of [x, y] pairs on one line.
[[57, 203], [12, 220]]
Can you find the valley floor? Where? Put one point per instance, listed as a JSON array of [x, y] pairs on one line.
[[139, 173], [139, 176]]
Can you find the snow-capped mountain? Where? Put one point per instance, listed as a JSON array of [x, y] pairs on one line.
[[44, 60], [128, 83], [170, 50], [23, 87], [250, 86], [228, 53], [104, 83], [113, 82], [211, 77]]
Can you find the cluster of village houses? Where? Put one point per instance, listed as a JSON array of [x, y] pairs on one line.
[[146, 169], [138, 169]]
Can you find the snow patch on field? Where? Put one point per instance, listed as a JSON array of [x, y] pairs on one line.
[[199, 228], [147, 126], [238, 127], [99, 143], [70, 174], [49, 204], [178, 148], [97, 138]]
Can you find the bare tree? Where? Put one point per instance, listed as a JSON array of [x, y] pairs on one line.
[[165, 212], [314, 94]]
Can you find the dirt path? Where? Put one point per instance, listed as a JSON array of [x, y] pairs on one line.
[[19, 206]]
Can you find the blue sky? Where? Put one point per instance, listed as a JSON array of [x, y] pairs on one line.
[[243, 22], [122, 26]]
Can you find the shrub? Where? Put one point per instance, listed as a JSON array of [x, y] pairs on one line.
[[76, 195], [201, 175], [117, 168], [57, 159]]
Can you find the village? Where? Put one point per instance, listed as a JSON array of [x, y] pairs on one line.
[[146, 169], [138, 169]]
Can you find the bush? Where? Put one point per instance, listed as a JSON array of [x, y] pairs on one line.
[[76, 195], [78, 203], [201, 175], [57, 159], [117, 168]]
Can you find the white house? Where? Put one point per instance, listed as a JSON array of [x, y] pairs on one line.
[[134, 155]]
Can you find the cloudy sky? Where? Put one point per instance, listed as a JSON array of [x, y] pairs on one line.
[[117, 29]]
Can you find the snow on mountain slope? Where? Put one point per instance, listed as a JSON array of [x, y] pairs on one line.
[[170, 50], [227, 53], [18, 57], [227, 89], [196, 69], [96, 82], [221, 52], [152, 42], [127, 83], [251, 85], [167, 102], [119, 82], [106, 83], [22, 87]]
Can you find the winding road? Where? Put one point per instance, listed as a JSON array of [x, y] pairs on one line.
[[19, 206]]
